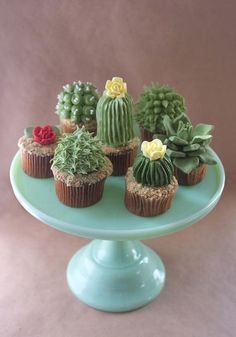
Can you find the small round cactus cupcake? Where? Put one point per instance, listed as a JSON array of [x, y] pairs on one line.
[[37, 149], [115, 125], [76, 107], [80, 169], [154, 103], [150, 183], [188, 148]]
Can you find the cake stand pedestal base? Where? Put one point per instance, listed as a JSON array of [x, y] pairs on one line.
[[116, 276]]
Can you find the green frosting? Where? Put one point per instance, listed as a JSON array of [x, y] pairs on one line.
[[114, 120], [78, 102], [154, 103], [187, 145], [153, 172], [79, 152]]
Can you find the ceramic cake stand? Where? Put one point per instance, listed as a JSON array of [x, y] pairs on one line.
[[115, 272]]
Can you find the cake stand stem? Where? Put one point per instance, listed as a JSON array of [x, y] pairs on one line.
[[116, 276]]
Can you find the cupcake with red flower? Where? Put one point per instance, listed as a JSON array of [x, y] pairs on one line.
[[37, 150]]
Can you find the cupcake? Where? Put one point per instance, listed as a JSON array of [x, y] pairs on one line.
[[154, 103], [80, 169], [115, 126], [150, 183], [37, 149], [188, 148], [77, 107]]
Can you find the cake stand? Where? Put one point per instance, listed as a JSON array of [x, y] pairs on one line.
[[116, 272]]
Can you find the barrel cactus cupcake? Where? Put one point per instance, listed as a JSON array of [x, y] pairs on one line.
[[115, 125], [188, 147], [154, 103], [37, 150], [80, 169], [77, 107], [150, 183]]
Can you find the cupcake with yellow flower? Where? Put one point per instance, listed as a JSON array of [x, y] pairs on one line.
[[115, 125], [150, 183]]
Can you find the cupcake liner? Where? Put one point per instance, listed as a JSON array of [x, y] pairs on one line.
[[146, 135], [122, 161], [193, 177], [36, 166], [147, 207], [70, 127], [79, 196]]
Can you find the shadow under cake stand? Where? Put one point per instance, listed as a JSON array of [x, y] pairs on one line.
[[116, 272]]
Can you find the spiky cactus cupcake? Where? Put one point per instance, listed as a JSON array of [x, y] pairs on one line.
[[80, 169], [188, 147], [77, 107], [115, 125], [154, 103], [37, 150], [150, 183]]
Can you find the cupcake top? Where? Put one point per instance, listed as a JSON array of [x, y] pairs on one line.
[[154, 103], [153, 166], [114, 114], [41, 140], [80, 155], [77, 102], [188, 146]]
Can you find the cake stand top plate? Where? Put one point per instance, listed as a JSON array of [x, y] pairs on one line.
[[109, 219]]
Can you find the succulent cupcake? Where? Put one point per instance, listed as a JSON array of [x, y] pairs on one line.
[[154, 103], [37, 150], [76, 107], [80, 169], [115, 125], [188, 147], [150, 183]]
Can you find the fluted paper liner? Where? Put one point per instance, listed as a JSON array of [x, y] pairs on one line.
[[193, 177], [122, 161], [146, 135], [36, 166]]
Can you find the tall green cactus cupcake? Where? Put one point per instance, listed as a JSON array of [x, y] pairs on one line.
[[115, 125], [150, 183], [155, 102], [77, 107]]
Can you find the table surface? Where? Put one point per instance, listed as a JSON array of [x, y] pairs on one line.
[[109, 219]]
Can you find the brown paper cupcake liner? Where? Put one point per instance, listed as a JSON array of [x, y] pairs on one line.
[[146, 135], [36, 166], [122, 161], [193, 177], [79, 196], [70, 128], [147, 207]]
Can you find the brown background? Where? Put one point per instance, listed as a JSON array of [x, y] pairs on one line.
[[190, 45]]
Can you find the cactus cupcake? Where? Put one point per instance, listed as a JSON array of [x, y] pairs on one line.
[[154, 103], [150, 183], [188, 147], [76, 107], [37, 150], [80, 169], [115, 125]]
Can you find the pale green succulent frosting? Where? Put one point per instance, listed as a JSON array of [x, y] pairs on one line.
[[79, 152], [115, 120]]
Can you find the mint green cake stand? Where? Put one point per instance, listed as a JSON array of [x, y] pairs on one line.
[[115, 272]]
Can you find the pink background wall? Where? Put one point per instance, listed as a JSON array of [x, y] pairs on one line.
[[188, 44]]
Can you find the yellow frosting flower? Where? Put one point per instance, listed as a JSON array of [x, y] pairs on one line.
[[153, 150], [116, 87]]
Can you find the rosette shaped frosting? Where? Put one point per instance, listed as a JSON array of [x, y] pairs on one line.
[[114, 114], [153, 167]]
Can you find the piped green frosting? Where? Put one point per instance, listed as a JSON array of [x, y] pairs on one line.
[[79, 152], [114, 120], [153, 172]]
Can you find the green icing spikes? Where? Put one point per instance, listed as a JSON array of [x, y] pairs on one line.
[[78, 102], [154, 103], [187, 146], [78, 152]]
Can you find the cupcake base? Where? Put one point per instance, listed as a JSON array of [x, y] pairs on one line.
[[193, 177], [148, 201], [146, 135], [67, 126], [37, 166], [79, 196]]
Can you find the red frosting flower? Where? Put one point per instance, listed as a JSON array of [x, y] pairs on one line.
[[44, 135]]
